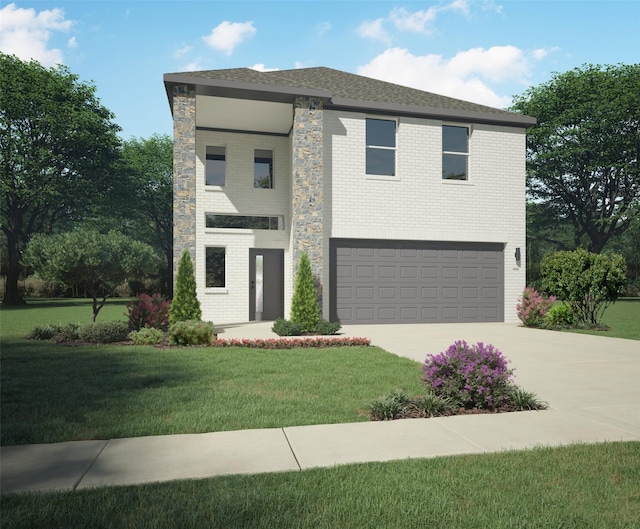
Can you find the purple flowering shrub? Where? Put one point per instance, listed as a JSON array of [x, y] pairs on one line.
[[532, 307], [148, 311], [473, 376]]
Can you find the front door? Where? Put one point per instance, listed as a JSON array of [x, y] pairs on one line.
[[266, 284]]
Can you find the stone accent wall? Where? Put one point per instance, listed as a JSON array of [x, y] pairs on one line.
[[307, 187], [184, 173]]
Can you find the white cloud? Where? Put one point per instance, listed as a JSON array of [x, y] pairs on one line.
[[25, 33], [417, 21], [181, 52], [465, 76], [262, 68], [497, 64], [72, 43], [372, 29], [323, 28], [541, 53], [193, 66], [227, 35]]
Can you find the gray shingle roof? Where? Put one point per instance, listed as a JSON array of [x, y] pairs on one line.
[[349, 88]]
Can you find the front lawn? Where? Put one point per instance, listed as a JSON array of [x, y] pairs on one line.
[[574, 487], [624, 319], [54, 393]]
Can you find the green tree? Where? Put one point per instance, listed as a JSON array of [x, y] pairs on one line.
[[304, 304], [57, 148], [185, 305], [583, 154], [586, 281], [99, 262], [147, 168]]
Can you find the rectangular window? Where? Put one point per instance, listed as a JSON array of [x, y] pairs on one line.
[[455, 153], [215, 266], [381, 147], [251, 222], [263, 169], [215, 166]]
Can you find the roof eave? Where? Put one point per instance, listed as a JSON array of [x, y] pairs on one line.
[[241, 90], [509, 119]]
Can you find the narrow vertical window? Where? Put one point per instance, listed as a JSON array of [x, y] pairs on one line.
[[215, 266], [381, 147], [215, 167], [455, 153], [263, 169]]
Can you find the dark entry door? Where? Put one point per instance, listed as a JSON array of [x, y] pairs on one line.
[[266, 284]]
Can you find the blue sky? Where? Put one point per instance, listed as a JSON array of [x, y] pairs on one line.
[[482, 51]]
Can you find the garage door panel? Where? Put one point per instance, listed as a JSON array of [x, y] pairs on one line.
[[429, 272], [470, 293], [387, 293], [387, 271], [365, 293], [413, 281], [450, 272]]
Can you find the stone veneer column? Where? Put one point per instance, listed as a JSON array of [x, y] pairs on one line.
[[307, 223], [184, 173]]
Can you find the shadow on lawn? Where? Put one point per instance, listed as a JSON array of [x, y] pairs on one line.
[[55, 392]]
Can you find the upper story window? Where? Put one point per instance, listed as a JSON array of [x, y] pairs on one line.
[[215, 167], [455, 153], [381, 147], [263, 169]]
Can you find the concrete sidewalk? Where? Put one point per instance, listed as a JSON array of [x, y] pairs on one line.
[[590, 382]]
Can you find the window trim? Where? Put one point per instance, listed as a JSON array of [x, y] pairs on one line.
[[466, 155], [377, 176]]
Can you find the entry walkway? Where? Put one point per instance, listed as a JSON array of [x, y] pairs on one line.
[[590, 382]]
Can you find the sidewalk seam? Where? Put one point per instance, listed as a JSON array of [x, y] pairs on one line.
[[291, 448], [75, 485]]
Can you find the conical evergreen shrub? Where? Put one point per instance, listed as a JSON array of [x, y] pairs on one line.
[[185, 305], [304, 305]]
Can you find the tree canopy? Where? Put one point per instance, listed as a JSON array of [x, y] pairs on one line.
[[58, 146], [147, 167], [99, 262], [583, 153]]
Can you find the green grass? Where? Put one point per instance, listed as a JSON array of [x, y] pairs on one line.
[[623, 318], [53, 393], [16, 322], [576, 487]]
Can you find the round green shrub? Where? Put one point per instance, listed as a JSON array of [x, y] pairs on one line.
[[284, 327], [104, 332], [559, 315], [147, 336], [191, 332], [326, 328]]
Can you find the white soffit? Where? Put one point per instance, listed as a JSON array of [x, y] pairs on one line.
[[243, 114]]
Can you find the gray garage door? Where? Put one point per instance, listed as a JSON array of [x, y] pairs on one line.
[[416, 282]]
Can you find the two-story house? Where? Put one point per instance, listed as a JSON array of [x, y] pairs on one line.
[[410, 205]]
